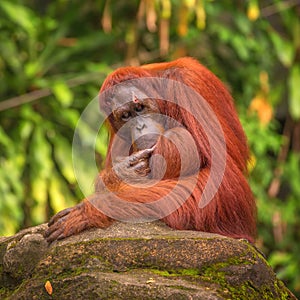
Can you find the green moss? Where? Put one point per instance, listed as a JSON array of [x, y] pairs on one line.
[[212, 273], [281, 289], [67, 273], [161, 273], [246, 290], [189, 272], [177, 272], [5, 292]]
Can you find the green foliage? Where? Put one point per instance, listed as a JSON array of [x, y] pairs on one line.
[[54, 56], [36, 171], [294, 99]]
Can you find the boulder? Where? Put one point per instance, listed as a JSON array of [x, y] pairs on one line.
[[135, 261]]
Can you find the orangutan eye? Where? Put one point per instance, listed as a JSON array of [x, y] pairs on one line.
[[139, 107], [125, 115]]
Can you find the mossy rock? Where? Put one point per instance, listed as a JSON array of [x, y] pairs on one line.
[[135, 261]]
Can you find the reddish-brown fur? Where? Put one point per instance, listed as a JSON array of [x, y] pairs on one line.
[[232, 211]]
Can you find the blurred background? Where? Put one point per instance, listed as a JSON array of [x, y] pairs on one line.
[[54, 56]]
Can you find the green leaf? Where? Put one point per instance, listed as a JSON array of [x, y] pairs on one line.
[[60, 194], [4, 139], [40, 155], [26, 128], [243, 24], [39, 190], [63, 157], [63, 93], [240, 46], [102, 141], [32, 68], [284, 49], [9, 53], [58, 55], [20, 15], [70, 117], [28, 113], [57, 196], [294, 92]]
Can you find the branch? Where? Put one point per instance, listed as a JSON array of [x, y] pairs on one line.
[[278, 7], [38, 94]]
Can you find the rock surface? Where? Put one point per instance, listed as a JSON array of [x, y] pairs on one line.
[[135, 261]]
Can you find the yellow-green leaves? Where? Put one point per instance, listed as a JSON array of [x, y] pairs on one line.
[[63, 93], [284, 49], [294, 91], [21, 15]]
